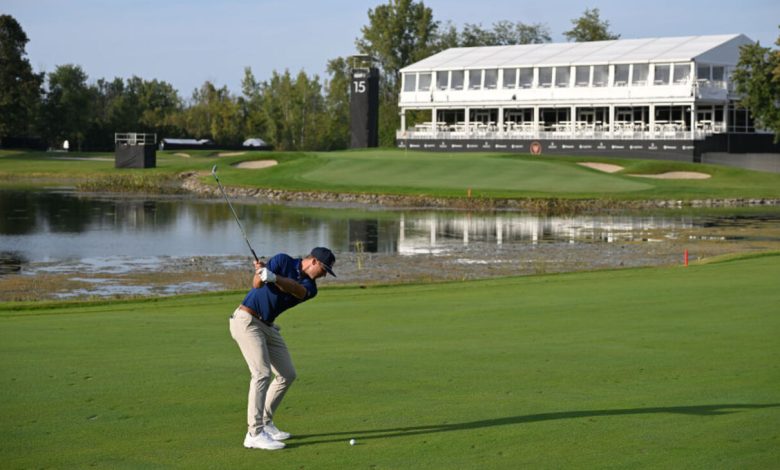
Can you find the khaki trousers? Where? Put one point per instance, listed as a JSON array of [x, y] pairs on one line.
[[264, 351]]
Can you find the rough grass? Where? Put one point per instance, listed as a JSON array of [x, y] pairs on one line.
[[643, 368]]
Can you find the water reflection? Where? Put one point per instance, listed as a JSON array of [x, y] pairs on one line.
[[431, 233], [106, 231]]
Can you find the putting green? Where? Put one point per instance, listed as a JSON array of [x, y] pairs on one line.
[[458, 171]]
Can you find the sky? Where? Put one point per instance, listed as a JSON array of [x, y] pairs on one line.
[[187, 42]]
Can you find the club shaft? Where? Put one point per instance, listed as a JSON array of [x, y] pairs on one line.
[[238, 221]]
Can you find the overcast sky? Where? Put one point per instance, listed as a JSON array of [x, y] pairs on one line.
[[186, 42]]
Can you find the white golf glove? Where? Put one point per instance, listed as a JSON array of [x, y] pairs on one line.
[[266, 275]]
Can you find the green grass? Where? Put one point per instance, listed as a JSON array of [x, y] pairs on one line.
[[643, 368], [391, 171]]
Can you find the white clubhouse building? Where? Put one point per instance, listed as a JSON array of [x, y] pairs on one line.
[[527, 96]]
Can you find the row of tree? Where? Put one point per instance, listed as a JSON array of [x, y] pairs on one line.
[[291, 112]]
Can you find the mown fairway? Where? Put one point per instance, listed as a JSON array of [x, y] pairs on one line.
[[390, 171], [654, 368]]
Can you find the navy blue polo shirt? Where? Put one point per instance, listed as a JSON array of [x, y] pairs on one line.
[[269, 301]]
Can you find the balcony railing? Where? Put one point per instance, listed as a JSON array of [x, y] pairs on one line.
[[624, 130]]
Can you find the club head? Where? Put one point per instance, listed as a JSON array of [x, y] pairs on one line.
[[214, 170]]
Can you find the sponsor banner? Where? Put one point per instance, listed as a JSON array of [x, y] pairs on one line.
[[680, 150]]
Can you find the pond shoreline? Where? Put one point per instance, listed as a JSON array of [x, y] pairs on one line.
[[190, 182]]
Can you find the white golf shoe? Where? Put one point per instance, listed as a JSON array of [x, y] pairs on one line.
[[275, 433], [262, 441]]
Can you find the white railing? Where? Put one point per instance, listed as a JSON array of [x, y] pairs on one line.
[[662, 130], [135, 138]]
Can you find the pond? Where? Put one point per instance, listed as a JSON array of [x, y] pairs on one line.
[[121, 245]]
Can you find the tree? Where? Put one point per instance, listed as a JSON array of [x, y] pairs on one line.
[[68, 109], [136, 105], [214, 114], [504, 33], [308, 112], [158, 103], [757, 78], [111, 113], [337, 105], [398, 34], [295, 110], [251, 104], [20, 88], [508, 33], [590, 27], [277, 104]]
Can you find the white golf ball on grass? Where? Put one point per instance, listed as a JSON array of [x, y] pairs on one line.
[[352, 442]]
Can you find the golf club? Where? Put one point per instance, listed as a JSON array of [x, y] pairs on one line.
[[238, 221]]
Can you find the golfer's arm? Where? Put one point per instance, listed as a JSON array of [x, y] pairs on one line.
[[284, 283], [290, 286]]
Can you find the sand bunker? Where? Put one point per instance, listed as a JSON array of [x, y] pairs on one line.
[[677, 175], [90, 159], [230, 154], [256, 164], [605, 167], [185, 155], [670, 175]]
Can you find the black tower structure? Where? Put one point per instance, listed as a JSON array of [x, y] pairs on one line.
[[363, 102]]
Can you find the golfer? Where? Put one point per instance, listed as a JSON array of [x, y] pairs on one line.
[[281, 284]]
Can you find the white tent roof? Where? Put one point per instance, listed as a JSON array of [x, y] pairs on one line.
[[719, 49]]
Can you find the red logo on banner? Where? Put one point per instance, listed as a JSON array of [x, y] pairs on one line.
[[536, 148]]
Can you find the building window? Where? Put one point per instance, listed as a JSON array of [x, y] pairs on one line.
[[424, 82], [526, 77], [582, 75], [510, 78], [601, 75], [456, 79], [545, 77], [562, 77], [703, 72], [441, 80], [475, 79], [621, 74], [718, 73], [661, 74], [682, 72], [491, 79], [639, 75], [410, 81]]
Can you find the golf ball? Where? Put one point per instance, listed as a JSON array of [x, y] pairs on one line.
[[352, 442]]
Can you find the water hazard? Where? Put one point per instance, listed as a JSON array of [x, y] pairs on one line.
[[97, 243]]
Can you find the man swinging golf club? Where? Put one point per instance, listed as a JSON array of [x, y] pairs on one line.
[[281, 284]]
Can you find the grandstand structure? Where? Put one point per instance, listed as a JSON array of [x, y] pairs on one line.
[[667, 97]]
